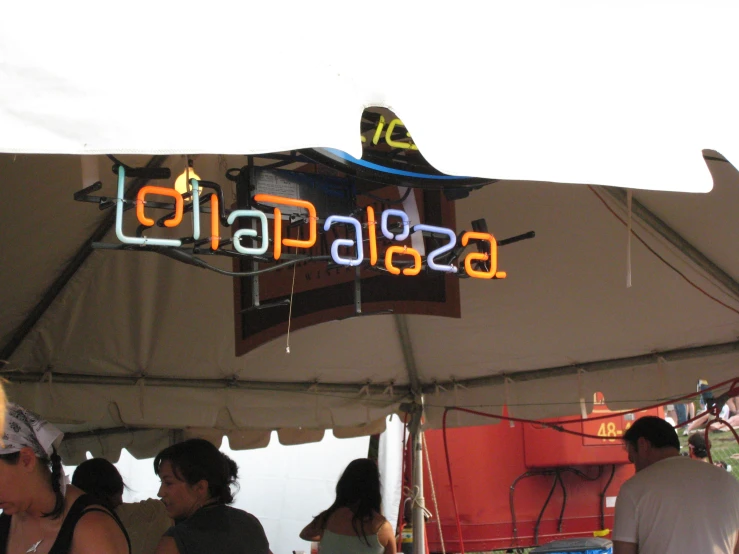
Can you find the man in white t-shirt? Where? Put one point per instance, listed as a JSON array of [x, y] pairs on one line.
[[673, 505]]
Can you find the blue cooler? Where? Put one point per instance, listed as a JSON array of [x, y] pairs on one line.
[[576, 546]]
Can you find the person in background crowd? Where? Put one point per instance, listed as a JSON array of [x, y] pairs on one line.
[[671, 414], [697, 447], [101, 479], [707, 401], [144, 521], [684, 412], [40, 512], [673, 503], [196, 490], [353, 524], [698, 450]]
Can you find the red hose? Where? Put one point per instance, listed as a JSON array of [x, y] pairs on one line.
[[718, 420]]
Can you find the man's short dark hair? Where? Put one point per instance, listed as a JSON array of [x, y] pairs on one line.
[[655, 430]]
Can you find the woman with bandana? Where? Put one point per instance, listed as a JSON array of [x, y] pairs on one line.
[[41, 513]]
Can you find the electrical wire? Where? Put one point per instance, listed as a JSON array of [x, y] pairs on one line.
[[183, 256], [117, 161], [564, 502], [668, 264], [511, 505], [603, 497], [733, 391], [387, 200], [557, 472], [583, 475], [718, 419], [544, 507], [511, 498]]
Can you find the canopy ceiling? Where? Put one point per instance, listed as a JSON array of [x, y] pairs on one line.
[[137, 341]]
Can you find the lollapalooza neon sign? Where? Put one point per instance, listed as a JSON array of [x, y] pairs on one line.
[[489, 255]]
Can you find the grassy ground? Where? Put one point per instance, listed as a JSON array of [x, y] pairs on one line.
[[723, 447]]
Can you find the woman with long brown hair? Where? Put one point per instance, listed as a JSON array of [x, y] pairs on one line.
[[353, 524]]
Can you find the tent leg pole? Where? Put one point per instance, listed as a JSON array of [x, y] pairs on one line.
[[419, 520]]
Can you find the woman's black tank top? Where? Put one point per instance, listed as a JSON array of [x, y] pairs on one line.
[[63, 543]]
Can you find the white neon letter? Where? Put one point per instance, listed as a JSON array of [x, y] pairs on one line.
[[346, 242], [250, 232]]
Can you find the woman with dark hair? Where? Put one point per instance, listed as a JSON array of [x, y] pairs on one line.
[[196, 490], [144, 521], [697, 447], [698, 450], [40, 512], [353, 524], [101, 479]]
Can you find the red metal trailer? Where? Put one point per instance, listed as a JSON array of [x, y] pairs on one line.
[[519, 485]]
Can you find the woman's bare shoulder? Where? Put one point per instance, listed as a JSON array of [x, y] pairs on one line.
[[98, 533], [341, 522], [378, 520]]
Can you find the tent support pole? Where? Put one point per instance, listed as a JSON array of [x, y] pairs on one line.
[[401, 324], [418, 504]]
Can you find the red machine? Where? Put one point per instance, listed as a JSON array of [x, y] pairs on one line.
[[520, 485]]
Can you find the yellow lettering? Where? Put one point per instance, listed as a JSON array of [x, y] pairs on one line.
[[413, 146], [608, 430], [378, 131], [611, 430], [602, 430], [389, 134]]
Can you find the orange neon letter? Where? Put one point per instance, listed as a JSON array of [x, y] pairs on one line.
[[215, 238], [372, 228], [277, 239], [178, 205], [481, 256], [415, 270], [311, 240]]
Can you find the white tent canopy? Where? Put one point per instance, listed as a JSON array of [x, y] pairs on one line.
[[138, 341], [625, 94]]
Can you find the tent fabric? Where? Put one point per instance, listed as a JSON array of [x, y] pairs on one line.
[[137, 346], [140, 443], [525, 90]]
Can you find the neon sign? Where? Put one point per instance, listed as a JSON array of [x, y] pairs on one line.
[[389, 156], [348, 252], [392, 143]]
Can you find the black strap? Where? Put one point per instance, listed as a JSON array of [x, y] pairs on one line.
[[63, 543], [84, 504], [4, 532]]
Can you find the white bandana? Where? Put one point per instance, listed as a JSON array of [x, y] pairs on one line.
[[24, 428]]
